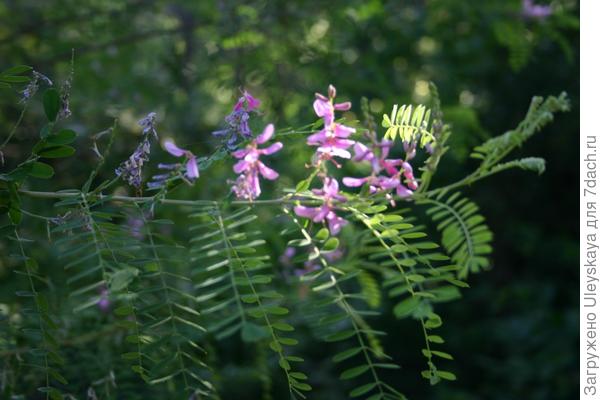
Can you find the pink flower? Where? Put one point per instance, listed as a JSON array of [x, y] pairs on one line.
[[396, 169], [247, 185], [191, 166], [333, 138], [325, 212], [250, 102]]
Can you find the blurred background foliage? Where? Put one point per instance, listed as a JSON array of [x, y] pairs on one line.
[[514, 334]]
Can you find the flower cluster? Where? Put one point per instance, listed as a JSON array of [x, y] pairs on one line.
[[332, 140], [130, 170], [247, 185], [386, 174], [237, 120], [536, 11], [34, 85], [325, 212]]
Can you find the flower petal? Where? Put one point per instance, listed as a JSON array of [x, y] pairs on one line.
[[241, 166], [345, 106], [192, 168], [172, 149], [317, 138], [354, 182], [275, 147], [240, 153], [267, 172], [306, 212], [266, 134]]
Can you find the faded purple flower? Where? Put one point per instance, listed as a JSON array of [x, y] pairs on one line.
[[33, 86], [191, 165], [147, 124], [237, 120], [130, 170], [535, 11], [325, 212], [247, 185], [104, 302]]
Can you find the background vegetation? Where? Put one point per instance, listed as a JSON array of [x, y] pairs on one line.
[[514, 334]]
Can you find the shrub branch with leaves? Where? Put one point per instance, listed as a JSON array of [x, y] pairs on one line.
[[171, 294]]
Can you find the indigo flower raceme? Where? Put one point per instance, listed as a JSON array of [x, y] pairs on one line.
[[237, 120], [130, 170], [325, 212], [333, 138], [386, 174], [535, 11], [191, 165], [247, 185]]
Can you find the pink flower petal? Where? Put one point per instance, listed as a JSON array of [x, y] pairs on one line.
[[266, 134], [306, 212], [354, 182], [335, 223], [343, 131], [172, 149], [253, 102], [192, 168], [317, 138], [240, 153], [402, 191], [267, 172], [345, 106], [275, 147], [241, 166], [334, 151]]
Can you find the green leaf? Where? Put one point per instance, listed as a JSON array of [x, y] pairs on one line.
[[41, 170], [253, 333], [331, 244], [16, 70], [354, 372], [51, 101], [56, 152], [446, 375], [346, 354], [406, 307], [122, 278], [359, 391], [303, 185], [64, 136]]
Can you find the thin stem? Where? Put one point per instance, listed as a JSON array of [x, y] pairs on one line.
[[191, 203]]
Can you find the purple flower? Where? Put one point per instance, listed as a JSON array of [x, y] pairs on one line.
[[325, 212], [237, 120], [247, 185], [247, 102], [535, 11], [130, 170], [104, 302], [191, 166]]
